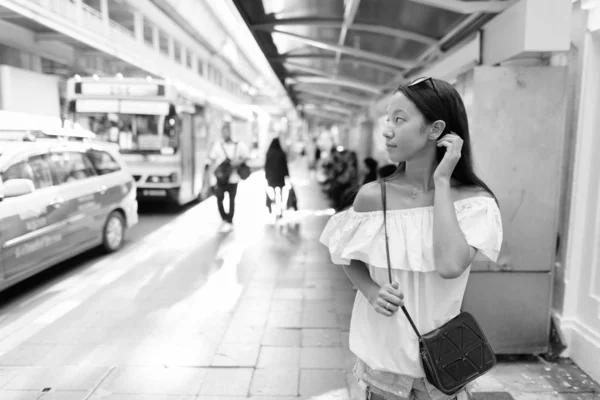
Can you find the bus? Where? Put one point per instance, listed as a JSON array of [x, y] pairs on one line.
[[159, 129]]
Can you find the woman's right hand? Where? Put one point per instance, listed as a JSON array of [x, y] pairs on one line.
[[389, 299]]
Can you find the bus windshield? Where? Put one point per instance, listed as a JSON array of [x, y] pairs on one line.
[[133, 133]]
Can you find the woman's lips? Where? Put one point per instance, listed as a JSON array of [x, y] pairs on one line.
[[390, 146]]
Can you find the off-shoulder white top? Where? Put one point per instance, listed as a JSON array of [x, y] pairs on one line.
[[388, 343]]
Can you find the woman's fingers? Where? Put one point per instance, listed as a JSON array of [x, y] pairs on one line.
[[390, 297]]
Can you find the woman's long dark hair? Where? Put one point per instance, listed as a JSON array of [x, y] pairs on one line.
[[275, 147], [441, 101]]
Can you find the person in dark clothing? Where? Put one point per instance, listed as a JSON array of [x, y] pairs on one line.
[[371, 165], [276, 170]]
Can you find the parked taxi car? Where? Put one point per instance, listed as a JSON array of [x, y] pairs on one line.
[[59, 198]]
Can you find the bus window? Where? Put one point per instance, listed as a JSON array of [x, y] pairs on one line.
[[134, 132]]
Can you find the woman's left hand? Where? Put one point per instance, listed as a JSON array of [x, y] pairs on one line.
[[453, 144]]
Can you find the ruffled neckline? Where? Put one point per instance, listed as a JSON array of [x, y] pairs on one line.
[[458, 205]]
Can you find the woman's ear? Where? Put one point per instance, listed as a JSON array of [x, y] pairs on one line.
[[436, 129]]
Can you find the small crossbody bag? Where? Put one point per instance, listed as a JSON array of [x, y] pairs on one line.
[[453, 354]]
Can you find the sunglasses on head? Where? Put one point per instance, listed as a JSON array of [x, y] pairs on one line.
[[424, 79]]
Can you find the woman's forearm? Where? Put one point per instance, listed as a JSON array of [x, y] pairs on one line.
[[450, 248], [358, 272]]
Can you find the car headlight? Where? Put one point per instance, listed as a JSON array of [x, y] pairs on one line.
[[163, 179]]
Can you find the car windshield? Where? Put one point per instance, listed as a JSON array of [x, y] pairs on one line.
[[132, 132]]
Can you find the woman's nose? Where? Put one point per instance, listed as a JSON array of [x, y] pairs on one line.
[[387, 133]]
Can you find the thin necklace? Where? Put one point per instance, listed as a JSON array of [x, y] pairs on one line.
[[415, 192]]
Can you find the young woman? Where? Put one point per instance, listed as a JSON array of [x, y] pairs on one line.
[[440, 214], [276, 172]]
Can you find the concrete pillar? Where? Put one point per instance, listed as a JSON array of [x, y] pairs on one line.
[[171, 47], [138, 26], [104, 13], [79, 11], [155, 39], [183, 54]]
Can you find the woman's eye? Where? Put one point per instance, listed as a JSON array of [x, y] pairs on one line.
[[398, 120]]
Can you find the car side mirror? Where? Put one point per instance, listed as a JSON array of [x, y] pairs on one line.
[[17, 187]]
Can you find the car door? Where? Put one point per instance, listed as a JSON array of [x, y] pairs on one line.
[[112, 185], [75, 181], [30, 239]]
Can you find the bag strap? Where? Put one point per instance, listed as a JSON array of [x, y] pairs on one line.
[[387, 252], [225, 151]]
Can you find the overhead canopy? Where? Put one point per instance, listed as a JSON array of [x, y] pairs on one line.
[[339, 55]]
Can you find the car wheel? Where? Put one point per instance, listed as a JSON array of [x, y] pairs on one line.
[[114, 232]]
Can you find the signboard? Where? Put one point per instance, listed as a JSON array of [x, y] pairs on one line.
[[122, 89]]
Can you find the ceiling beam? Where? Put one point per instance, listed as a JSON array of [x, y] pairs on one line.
[[327, 107], [312, 98], [320, 72], [325, 115], [302, 89], [393, 32], [348, 50], [350, 10], [336, 23], [320, 80], [359, 61], [468, 7], [423, 59]]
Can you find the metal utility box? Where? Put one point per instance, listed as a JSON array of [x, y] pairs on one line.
[[517, 124]]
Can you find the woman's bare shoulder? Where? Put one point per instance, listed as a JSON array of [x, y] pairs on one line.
[[466, 192], [368, 198]]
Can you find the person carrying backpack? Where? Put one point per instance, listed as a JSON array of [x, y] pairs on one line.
[[227, 157]]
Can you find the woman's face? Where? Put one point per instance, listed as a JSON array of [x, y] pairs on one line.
[[405, 131]]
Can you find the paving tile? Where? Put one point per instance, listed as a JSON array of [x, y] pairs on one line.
[[19, 394], [7, 373], [58, 378], [124, 396], [288, 294], [321, 338], [318, 306], [275, 382], [344, 321], [221, 398], [236, 355], [257, 293], [290, 283], [322, 357], [318, 294], [249, 319], [227, 382], [345, 339], [64, 395], [154, 380], [323, 319], [318, 284], [271, 357], [282, 319], [26, 354], [323, 383], [244, 334], [294, 306], [282, 337]]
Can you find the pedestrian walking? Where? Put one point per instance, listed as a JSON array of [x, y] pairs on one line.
[[227, 157], [276, 172]]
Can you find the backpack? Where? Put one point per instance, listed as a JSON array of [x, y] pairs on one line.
[[224, 170]]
